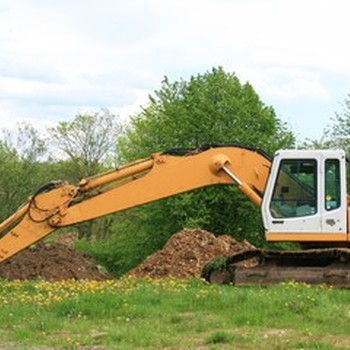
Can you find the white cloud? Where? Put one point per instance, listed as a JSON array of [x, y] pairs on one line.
[[286, 83], [59, 57]]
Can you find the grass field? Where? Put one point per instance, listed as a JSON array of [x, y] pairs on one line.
[[171, 314]]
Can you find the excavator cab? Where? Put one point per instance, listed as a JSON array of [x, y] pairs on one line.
[[305, 198]]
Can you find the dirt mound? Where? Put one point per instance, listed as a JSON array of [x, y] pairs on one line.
[[67, 238], [186, 253], [52, 262]]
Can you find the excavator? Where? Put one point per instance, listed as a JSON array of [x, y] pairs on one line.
[[301, 194]]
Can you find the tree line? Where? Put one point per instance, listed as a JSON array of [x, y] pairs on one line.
[[210, 108]]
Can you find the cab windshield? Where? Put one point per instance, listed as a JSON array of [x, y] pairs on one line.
[[295, 191]]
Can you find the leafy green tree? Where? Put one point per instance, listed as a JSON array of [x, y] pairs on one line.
[[208, 108]]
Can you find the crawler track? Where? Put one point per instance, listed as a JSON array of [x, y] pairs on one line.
[[330, 266]]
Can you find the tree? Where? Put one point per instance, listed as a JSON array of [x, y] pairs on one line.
[[83, 147], [22, 167], [209, 108], [337, 135], [26, 141], [88, 142]]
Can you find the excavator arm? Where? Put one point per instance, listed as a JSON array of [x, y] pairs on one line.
[[60, 204]]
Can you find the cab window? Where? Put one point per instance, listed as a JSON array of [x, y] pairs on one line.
[[295, 191], [332, 200]]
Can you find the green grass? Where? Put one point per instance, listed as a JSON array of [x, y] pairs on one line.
[[171, 314]]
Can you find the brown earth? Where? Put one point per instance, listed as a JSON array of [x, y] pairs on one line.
[[186, 253], [67, 238], [184, 256], [52, 262]]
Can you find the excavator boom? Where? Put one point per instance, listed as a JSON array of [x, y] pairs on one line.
[[162, 175]]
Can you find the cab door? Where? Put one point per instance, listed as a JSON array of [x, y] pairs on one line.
[[334, 206]]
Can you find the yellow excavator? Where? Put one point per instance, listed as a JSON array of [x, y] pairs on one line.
[[302, 196]]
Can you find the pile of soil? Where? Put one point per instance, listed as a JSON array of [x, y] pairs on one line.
[[186, 253], [52, 262], [67, 238], [184, 256]]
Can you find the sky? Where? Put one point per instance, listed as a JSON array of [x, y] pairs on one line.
[[61, 58]]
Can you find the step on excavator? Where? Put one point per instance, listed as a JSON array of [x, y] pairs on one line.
[[301, 194]]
